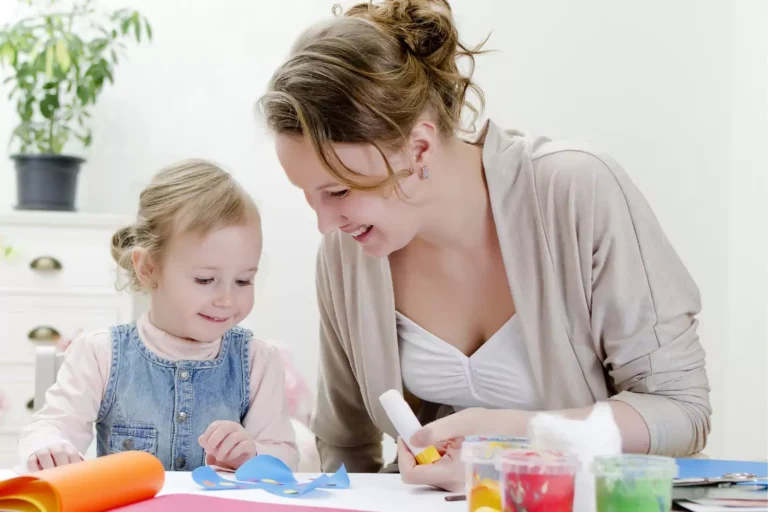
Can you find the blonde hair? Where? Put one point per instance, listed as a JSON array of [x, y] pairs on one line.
[[188, 196], [367, 77]]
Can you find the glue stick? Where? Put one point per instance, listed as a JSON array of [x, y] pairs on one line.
[[406, 423]]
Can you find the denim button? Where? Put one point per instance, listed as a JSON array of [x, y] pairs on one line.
[[181, 462], [184, 375], [182, 417], [128, 444]]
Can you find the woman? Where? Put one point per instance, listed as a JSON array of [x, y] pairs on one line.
[[494, 278]]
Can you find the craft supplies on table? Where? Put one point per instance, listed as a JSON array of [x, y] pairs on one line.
[[634, 483], [269, 474], [479, 454], [90, 486], [537, 481], [406, 423]]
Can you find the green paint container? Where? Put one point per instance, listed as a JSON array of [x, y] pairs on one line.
[[634, 483]]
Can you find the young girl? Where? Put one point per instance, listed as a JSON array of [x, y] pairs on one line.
[[184, 382]]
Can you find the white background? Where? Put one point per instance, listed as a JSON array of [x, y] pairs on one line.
[[676, 90]]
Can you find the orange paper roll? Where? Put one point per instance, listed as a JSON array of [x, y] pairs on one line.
[[90, 486]]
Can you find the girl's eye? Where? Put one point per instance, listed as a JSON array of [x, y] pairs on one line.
[[203, 281], [246, 282], [338, 194]]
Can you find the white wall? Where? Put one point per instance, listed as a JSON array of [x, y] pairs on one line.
[[746, 350], [676, 91]]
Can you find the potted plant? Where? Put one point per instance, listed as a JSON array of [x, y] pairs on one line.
[[59, 61]]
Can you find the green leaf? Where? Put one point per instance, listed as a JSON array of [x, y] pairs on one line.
[[148, 28], [25, 109], [98, 45], [114, 56], [49, 61], [136, 26], [83, 94], [107, 71], [49, 105], [8, 53], [125, 25], [62, 55]]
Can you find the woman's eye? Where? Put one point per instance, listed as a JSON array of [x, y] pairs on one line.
[[203, 280], [338, 194], [242, 282]]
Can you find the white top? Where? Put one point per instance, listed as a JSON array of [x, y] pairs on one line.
[[496, 376]]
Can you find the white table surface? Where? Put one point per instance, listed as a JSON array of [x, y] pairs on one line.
[[367, 492]]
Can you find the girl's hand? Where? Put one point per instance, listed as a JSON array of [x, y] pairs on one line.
[[53, 456], [227, 444]]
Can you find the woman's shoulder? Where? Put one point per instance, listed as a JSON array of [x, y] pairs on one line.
[[550, 158], [559, 172]]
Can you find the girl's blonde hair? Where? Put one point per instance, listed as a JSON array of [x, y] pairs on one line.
[[367, 77], [189, 196]]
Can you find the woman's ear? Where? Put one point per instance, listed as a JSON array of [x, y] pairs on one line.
[[422, 143], [145, 268]]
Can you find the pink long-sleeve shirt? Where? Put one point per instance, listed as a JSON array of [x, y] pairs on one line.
[[72, 403]]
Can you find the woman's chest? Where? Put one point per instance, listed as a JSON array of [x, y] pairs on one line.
[[461, 302]]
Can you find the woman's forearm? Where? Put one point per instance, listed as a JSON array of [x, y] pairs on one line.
[[635, 435]]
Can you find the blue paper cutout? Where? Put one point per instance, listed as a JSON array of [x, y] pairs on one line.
[[208, 478], [266, 467], [339, 480], [270, 474]]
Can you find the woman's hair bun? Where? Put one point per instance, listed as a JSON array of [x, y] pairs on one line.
[[425, 28]]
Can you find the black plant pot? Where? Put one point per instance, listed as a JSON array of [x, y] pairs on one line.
[[46, 182]]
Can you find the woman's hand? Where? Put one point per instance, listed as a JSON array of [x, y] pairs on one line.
[[447, 434], [447, 473]]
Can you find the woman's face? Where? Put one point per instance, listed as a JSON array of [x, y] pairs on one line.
[[380, 222]]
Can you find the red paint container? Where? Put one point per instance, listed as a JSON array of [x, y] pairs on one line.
[[537, 480]]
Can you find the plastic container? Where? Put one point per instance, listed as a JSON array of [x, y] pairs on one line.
[[634, 483], [479, 454], [537, 480]]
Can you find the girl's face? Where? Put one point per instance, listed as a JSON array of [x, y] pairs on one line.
[[204, 284], [381, 223]]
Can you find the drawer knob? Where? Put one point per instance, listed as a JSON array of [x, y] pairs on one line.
[[43, 333], [45, 263]]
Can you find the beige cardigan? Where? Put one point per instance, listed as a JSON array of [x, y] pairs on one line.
[[606, 307]]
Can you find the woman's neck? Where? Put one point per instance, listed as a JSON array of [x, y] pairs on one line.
[[458, 217]]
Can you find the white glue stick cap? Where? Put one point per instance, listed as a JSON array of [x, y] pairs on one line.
[[406, 424]]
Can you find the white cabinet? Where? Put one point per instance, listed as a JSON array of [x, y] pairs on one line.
[[60, 279]]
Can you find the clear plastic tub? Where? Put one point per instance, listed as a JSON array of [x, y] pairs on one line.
[[479, 454], [634, 483], [537, 480]]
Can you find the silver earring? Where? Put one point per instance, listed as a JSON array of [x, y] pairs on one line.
[[425, 173]]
